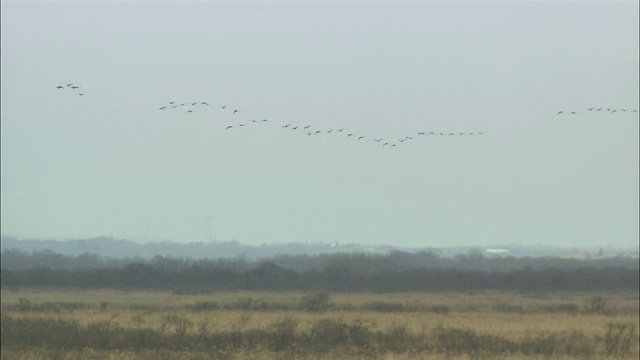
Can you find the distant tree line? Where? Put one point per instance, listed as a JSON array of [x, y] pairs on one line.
[[396, 271]]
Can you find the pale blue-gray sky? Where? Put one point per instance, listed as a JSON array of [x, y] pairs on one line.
[[110, 163]]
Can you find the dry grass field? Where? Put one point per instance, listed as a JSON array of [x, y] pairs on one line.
[[68, 324]]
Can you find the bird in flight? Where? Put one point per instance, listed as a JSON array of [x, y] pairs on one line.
[[204, 103], [361, 137], [560, 112], [69, 85], [306, 127], [81, 94], [223, 107], [162, 108], [229, 127], [264, 120], [60, 87], [235, 111]]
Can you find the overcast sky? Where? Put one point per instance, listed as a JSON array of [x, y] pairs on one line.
[[110, 163]]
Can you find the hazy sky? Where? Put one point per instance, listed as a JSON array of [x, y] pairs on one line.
[[110, 163]]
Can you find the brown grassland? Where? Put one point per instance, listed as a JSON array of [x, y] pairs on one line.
[[104, 324]]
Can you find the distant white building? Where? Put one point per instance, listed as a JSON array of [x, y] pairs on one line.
[[497, 251]]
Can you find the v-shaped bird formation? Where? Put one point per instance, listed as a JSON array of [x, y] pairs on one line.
[[223, 111], [303, 129]]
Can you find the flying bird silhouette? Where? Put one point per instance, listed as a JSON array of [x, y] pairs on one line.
[[235, 111], [60, 87]]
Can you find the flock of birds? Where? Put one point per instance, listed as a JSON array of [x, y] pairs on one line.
[[594, 109], [307, 129], [192, 107], [72, 87]]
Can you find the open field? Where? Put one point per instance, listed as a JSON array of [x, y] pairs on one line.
[[76, 324]]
